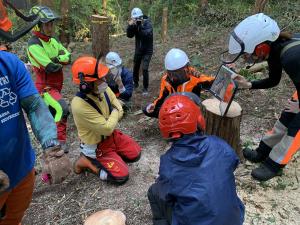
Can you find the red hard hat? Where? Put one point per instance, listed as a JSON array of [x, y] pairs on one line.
[[87, 66], [180, 115]]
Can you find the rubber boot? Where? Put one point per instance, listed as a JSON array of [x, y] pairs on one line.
[[253, 155], [267, 171], [83, 163], [258, 155]]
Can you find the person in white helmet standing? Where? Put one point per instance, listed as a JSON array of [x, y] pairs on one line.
[[179, 77], [119, 79], [259, 38], [140, 27]]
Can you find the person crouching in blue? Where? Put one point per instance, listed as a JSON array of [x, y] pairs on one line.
[[196, 184]]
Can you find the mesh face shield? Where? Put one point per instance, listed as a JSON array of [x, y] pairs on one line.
[[236, 49]]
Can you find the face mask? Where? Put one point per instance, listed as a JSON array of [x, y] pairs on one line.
[[102, 87]]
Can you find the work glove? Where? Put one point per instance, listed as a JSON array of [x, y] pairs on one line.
[[55, 60], [120, 84], [242, 82], [57, 165], [4, 182], [292, 106]]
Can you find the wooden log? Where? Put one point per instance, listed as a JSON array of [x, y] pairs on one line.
[[100, 35], [228, 127], [164, 28]]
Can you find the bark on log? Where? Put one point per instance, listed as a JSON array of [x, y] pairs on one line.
[[164, 25], [228, 127], [100, 35]]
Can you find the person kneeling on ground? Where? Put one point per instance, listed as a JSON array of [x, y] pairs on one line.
[[96, 112], [179, 77], [196, 183], [120, 79]]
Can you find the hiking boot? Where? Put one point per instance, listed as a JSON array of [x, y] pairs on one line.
[[83, 163], [136, 85], [265, 172], [145, 91], [253, 155]]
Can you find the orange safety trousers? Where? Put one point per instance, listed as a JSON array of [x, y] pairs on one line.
[[17, 200]]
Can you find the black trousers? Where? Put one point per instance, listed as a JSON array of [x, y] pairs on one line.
[[161, 212], [138, 59]]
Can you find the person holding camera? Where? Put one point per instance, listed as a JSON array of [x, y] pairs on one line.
[[140, 27]]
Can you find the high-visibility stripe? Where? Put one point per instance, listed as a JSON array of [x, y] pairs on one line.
[[295, 96], [295, 146]]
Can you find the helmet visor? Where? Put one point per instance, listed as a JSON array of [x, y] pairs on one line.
[[235, 49]]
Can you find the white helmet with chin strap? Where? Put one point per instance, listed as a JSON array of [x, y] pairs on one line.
[[176, 59], [136, 13], [113, 59], [251, 32]]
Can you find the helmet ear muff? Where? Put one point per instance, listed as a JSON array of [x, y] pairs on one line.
[[84, 86], [262, 50], [201, 123]]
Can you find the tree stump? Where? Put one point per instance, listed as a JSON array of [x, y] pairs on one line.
[[228, 127], [100, 35]]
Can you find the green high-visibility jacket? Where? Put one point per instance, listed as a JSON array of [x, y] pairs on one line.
[[45, 55]]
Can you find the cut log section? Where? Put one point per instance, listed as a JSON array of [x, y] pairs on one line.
[[228, 127], [100, 35]]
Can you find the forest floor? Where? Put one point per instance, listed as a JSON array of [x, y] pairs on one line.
[[273, 202]]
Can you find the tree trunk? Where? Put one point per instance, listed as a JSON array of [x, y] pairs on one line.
[[100, 35], [48, 3], [131, 5], [164, 25], [260, 6], [64, 36], [228, 127], [104, 7], [203, 5]]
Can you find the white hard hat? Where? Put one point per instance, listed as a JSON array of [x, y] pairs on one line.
[[176, 59], [252, 31], [113, 59], [136, 12]]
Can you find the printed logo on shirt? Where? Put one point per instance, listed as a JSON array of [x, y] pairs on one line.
[[7, 98]]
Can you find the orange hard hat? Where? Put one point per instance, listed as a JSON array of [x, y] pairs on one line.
[[5, 23], [90, 68]]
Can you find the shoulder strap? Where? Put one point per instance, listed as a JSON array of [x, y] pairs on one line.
[[290, 45], [88, 100], [108, 102]]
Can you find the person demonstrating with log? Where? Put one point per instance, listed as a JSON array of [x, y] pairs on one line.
[[18, 96], [258, 38], [47, 57], [179, 77], [140, 27], [196, 183], [96, 112], [119, 79]]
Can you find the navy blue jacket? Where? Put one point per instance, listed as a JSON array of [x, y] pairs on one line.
[[127, 80], [143, 36], [196, 179]]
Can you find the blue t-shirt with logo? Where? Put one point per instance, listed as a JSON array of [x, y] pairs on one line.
[[16, 154]]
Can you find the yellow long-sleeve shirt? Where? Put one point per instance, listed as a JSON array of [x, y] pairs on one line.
[[91, 125]]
